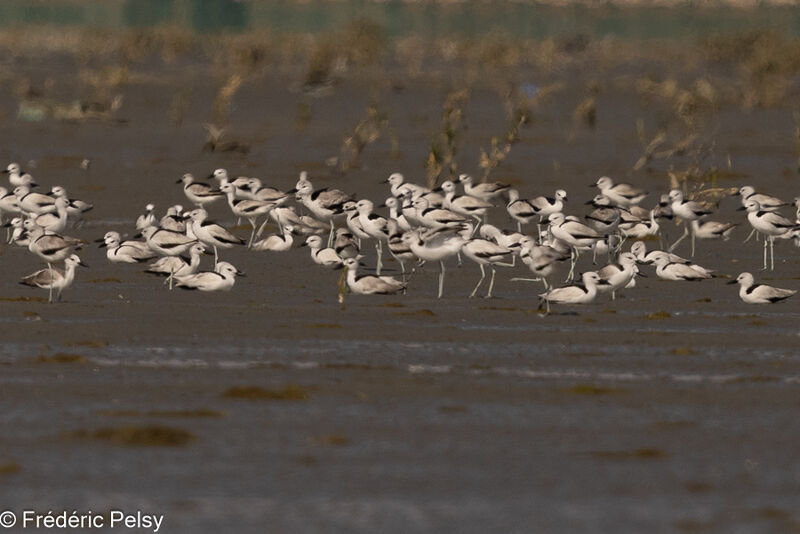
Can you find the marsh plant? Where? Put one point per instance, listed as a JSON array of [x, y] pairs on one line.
[[441, 161], [367, 131]]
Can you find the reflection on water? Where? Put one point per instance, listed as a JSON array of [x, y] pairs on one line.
[[523, 19]]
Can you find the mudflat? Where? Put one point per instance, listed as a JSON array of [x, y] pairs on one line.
[[274, 407]]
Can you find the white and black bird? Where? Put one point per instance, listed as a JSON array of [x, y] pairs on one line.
[[17, 177], [76, 208], [394, 213], [276, 242], [246, 208], [583, 293], [605, 217], [540, 259], [210, 233], [436, 218], [485, 252], [33, 203], [574, 233], [54, 221], [54, 279], [222, 278], [769, 223], [325, 256], [49, 246], [374, 226], [464, 205], [324, 204], [345, 244], [642, 228], [639, 249], [620, 274], [167, 242], [370, 284], [399, 187], [199, 193], [485, 191], [622, 195], [174, 219], [767, 202], [397, 247], [119, 251], [688, 210], [712, 229], [258, 191], [753, 293], [520, 209], [178, 265], [668, 270], [148, 218], [434, 245]]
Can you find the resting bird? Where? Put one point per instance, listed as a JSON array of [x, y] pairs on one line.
[[369, 284], [220, 279], [753, 293]]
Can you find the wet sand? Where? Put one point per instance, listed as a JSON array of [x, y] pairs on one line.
[[670, 409]]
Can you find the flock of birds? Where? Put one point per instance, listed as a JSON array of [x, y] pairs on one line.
[[421, 225]]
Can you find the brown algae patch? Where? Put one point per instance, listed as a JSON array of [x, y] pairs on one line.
[[591, 389], [62, 357], [683, 351], [754, 379], [138, 436], [453, 408], [292, 392], [657, 316], [10, 468], [424, 312], [164, 413], [646, 453], [323, 325], [332, 440], [90, 343]]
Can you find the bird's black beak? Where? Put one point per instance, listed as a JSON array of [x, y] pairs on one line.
[[210, 176], [590, 203], [592, 185], [6, 171], [642, 275], [83, 264], [736, 194], [292, 191], [240, 273], [137, 236], [437, 189], [734, 281], [304, 244], [7, 225], [50, 194], [382, 205], [741, 208], [386, 181], [180, 180]]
